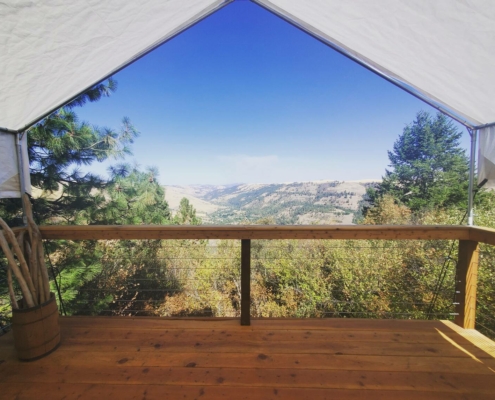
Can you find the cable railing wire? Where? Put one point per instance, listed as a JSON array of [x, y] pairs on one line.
[[177, 274]]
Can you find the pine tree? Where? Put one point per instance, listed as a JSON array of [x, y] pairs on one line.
[[132, 197], [115, 277], [429, 168], [57, 147], [186, 215]]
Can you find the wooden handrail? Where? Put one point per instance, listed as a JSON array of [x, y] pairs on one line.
[[482, 235], [469, 239], [358, 232]]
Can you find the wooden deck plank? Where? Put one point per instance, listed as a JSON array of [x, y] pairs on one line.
[[249, 346], [138, 337], [275, 335], [474, 337], [247, 360], [251, 377], [70, 391], [218, 338], [258, 324], [148, 358]]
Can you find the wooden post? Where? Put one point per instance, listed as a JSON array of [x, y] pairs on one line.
[[467, 279], [245, 282]]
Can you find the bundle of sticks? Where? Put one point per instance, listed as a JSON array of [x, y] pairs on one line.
[[26, 261]]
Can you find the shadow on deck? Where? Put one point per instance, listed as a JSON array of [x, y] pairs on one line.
[[152, 358]]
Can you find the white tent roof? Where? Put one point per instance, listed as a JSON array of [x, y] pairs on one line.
[[443, 49], [51, 50]]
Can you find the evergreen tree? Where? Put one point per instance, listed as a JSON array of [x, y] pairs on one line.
[[186, 215], [132, 197], [57, 146], [429, 168], [93, 276], [115, 277]]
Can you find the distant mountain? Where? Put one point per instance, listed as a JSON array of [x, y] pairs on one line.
[[318, 202]]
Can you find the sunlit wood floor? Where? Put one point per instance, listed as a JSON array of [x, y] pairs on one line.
[[148, 358]]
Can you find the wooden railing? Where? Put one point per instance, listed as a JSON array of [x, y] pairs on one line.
[[467, 265]]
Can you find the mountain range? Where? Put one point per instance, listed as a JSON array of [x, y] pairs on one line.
[[295, 203]]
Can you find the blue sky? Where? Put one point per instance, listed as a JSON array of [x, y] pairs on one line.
[[245, 97]]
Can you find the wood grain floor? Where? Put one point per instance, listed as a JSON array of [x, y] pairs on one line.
[[151, 358]]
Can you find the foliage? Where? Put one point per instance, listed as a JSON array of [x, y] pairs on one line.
[[106, 277], [125, 277], [57, 147], [288, 203], [131, 197], [288, 280], [100, 277], [388, 212], [314, 278], [186, 215], [429, 168], [209, 277]]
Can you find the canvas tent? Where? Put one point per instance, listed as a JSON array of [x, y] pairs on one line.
[[486, 159], [14, 158], [441, 51]]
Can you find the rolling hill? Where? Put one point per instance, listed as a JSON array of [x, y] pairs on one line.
[[318, 202]]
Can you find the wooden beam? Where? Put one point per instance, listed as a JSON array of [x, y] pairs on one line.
[[467, 277], [482, 235], [246, 282], [358, 232]]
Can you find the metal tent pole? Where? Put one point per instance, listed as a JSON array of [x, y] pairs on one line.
[[472, 163], [20, 163]]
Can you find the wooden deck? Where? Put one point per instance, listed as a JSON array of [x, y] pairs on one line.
[[148, 358]]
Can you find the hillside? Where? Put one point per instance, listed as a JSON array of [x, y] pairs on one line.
[[319, 202]]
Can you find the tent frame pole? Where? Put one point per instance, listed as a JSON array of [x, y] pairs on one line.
[[20, 163], [485, 126], [472, 163]]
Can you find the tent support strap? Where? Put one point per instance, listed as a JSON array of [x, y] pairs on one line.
[[472, 162]]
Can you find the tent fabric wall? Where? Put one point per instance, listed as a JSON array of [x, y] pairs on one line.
[[10, 183], [50, 51], [444, 49], [486, 157]]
